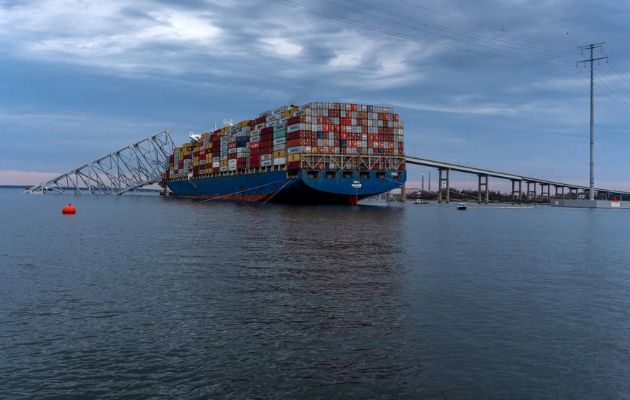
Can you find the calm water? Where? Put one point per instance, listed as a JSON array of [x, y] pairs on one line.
[[147, 297]]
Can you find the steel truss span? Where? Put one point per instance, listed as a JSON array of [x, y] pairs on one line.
[[139, 164]]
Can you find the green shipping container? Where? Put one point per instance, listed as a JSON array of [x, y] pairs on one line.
[[279, 133]]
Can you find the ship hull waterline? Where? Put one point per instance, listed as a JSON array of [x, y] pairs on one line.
[[303, 187]]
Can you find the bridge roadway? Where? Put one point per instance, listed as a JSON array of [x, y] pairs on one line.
[[444, 169]]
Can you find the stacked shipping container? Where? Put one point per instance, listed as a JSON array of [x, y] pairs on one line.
[[279, 139]]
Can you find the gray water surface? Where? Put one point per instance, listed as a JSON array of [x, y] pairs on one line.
[[150, 297]]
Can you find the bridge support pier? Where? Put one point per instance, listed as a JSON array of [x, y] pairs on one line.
[[403, 193], [531, 190], [483, 193], [444, 185], [516, 190], [544, 191], [573, 193], [561, 192]]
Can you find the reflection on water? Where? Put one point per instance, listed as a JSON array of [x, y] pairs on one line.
[[157, 297]]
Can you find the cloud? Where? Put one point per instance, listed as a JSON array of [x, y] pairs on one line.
[[281, 47], [460, 70]]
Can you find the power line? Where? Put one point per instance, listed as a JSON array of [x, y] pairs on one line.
[[608, 74], [617, 69], [620, 101], [455, 17], [368, 26], [472, 35], [398, 33], [613, 96]]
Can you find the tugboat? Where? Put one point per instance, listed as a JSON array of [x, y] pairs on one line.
[[461, 206]]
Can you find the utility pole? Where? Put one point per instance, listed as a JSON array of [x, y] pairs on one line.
[[591, 60], [422, 189]]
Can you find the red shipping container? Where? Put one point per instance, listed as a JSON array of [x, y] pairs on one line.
[[266, 131], [293, 165], [298, 142], [232, 156], [254, 145], [299, 135], [254, 164], [260, 120], [254, 158], [296, 120]]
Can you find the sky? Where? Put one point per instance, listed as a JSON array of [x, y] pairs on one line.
[[491, 84]]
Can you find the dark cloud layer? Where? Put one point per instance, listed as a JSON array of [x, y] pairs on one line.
[[483, 82]]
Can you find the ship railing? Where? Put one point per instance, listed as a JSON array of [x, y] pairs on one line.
[[352, 162], [318, 161]]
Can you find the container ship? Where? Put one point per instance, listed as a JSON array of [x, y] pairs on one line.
[[318, 153]]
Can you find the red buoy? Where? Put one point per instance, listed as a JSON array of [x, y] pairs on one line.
[[68, 210]]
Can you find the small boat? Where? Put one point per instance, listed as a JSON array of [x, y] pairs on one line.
[[418, 201], [461, 206]]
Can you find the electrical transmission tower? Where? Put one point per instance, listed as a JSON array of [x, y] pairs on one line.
[[591, 47]]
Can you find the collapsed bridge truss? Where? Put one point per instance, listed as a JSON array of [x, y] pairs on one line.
[[139, 164]]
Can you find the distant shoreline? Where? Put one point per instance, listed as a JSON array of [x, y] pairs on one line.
[[15, 186]]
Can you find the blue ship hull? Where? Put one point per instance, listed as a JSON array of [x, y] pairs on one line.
[[306, 187]]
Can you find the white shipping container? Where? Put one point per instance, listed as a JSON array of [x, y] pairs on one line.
[[224, 168], [266, 163], [232, 161], [216, 164], [279, 141], [294, 150], [231, 167], [294, 128], [265, 157], [279, 161]]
